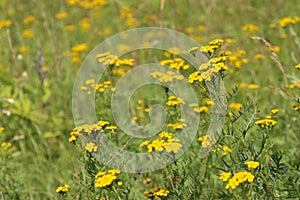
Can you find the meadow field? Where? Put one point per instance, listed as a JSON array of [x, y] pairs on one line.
[[162, 99]]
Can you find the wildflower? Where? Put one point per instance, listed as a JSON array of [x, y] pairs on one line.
[[239, 178], [173, 146], [28, 19], [145, 143], [24, 49], [91, 147], [236, 106], [6, 145], [297, 66], [157, 191], [250, 28], [61, 15], [176, 63], [253, 86], [62, 189], [27, 33], [297, 107], [207, 141], [169, 76], [174, 101], [79, 48], [225, 176], [259, 56], [177, 125], [1, 129], [202, 109], [266, 122], [104, 179], [283, 22], [85, 24], [276, 49], [217, 42], [112, 128], [5, 24], [103, 123], [195, 77], [274, 111], [69, 27], [226, 149], [120, 183], [252, 164]]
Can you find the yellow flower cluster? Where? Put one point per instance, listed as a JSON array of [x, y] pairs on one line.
[[167, 77], [62, 189], [213, 47], [113, 60], [126, 13], [157, 192], [88, 129], [237, 179], [24, 49], [250, 28], [297, 107], [177, 125], [61, 15], [283, 22], [297, 66], [174, 101], [237, 59], [85, 24], [1, 129], [235, 106], [87, 4], [5, 24], [252, 164], [90, 86], [6, 145], [207, 141], [296, 84], [201, 109], [224, 149], [104, 179], [269, 120], [29, 19], [225, 176], [91, 147], [75, 52], [164, 142], [172, 52], [176, 63], [27, 33]]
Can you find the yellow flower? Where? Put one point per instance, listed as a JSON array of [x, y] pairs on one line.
[[207, 141], [239, 178], [266, 122], [173, 146], [27, 33], [61, 15], [252, 164], [297, 66], [1, 129], [174, 101], [105, 179], [120, 183], [5, 24], [112, 128], [296, 107], [250, 28], [62, 189], [24, 49], [69, 27], [91, 147], [28, 19], [225, 176], [145, 143], [157, 191], [80, 47], [6, 145], [259, 56], [253, 86], [202, 109], [276, 48], [236, 106], [103, 123]]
